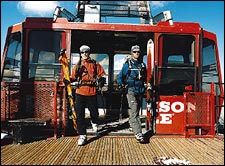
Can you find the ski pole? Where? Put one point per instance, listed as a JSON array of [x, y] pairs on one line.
[[121, 108], [121, 104], [104, 108]]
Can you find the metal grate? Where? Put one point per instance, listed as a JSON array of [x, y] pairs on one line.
[[3, 101], [198, 109], [26, 100]]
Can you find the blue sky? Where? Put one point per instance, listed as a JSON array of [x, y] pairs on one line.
[[209, 14]]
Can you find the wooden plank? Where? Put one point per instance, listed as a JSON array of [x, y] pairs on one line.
[[110, 150]]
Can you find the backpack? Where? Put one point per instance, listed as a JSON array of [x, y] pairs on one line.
[[142, 70]]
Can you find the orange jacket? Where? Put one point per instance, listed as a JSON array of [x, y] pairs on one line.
[[88, 77]]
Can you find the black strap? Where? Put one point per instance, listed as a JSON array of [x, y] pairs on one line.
[[130, 67], [80, 69]]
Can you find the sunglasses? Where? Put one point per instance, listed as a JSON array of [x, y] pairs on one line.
[[136, 51], [84, 52]]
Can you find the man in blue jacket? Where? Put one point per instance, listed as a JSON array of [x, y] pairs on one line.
[[133, 76]]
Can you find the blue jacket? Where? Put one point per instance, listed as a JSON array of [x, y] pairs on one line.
[[133, 75]]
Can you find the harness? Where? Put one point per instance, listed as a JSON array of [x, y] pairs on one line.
[[132, 79], [139, 69], [79, 74]]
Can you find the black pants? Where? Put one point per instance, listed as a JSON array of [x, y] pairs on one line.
[[80, 103]]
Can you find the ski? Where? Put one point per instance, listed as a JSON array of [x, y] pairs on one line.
[[65, 68], [150, 97]]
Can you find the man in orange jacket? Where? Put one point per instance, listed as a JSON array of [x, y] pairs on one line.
[[88, 73]]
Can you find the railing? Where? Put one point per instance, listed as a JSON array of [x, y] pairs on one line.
[[21, 100], [200, 113], [218, 107]]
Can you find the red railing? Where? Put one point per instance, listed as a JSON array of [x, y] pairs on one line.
[[199, 113], [29, 100]]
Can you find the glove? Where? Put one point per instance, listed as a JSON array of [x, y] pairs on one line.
[[73, 80], [101, 81], [66, 82], [121, 88], [149, 87], [62, 51]]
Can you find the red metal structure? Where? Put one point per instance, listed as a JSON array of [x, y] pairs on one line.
[[182, 59]]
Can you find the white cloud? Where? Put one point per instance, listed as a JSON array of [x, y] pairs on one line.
[[118, 64], [37, 8], [104, 61]]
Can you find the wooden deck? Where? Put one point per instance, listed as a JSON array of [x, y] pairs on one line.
[[114, 150]]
